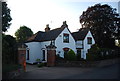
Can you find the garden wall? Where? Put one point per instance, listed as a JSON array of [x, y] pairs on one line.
[[88, 63]]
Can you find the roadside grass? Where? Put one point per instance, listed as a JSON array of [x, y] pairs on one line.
[[9, 67]]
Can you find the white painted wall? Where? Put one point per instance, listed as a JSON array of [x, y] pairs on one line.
[[86, 45], [34, 52], [43, 46], [60, 44], [79, 44]]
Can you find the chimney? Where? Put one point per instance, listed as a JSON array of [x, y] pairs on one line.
[[47, 28], [64, 24]]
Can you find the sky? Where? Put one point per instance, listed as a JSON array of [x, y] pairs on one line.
[[35, 14]]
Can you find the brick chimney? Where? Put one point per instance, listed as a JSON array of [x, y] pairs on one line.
[[64, 24], [47, 28]]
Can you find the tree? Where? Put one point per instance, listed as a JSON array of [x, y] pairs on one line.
[[9, 49], [23, 33], [103, 23], [6, 18]]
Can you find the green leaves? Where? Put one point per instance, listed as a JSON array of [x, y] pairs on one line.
[[9, 49], [71, 55], [102, 21], [6, 18], [23, 33]]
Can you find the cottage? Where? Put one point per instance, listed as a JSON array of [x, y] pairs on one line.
[[84, 40], [62, 38]]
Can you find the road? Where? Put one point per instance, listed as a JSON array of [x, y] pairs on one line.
[[107, 72]]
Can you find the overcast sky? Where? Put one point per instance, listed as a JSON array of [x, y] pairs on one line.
[[35, 14]]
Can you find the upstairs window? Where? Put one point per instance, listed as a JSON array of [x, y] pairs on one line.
[[66, 38], [89, 40]]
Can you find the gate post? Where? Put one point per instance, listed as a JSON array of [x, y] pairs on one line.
[[51, 55], [22, 55]]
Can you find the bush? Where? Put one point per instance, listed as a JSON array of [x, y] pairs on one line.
[[41, 64], [93, 53], [70, 56], [38, 61]]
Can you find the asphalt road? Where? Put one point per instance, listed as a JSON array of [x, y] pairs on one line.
[[107, 72]]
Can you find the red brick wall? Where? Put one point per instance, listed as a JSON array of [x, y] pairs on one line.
[[21, 56], [51, 54]]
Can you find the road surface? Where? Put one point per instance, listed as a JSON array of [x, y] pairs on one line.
[[107, 72]]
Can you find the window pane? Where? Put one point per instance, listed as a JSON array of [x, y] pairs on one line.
[[66, 38], [89, 39]]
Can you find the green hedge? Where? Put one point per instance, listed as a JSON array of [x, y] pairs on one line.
[[70, 56], [96, 53], [93, 53]]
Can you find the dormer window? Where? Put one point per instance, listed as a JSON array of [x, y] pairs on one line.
[[89, 40], [66, 38]]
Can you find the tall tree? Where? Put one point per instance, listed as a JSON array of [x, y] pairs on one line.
[[23, 33], [103, 23], [6, 18], [9, 49]]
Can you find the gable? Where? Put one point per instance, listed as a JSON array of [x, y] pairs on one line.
[[66, 31], [89, 34]]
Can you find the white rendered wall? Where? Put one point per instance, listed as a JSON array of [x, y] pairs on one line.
[[34, 52], [60, 44], [79, 44], [43, 47], [86, 45]]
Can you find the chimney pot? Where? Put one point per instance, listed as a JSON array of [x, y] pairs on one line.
[[47, 28]]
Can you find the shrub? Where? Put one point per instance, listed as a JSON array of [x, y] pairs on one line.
[[41, 65], [93, 53], [38, 61], [70, 56]]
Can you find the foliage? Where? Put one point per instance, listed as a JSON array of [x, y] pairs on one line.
[[41, 64], [9, 49], [71, 55], [103, 22], [23, 33], [6, 18], [119, 43], [107, 53], [93, 53], [9, 67], [38, 60], [96, 53]]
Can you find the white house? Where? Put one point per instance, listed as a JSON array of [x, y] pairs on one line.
[[84, 41], [62, 38]]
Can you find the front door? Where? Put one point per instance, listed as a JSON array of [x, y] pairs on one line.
[[65, 51]]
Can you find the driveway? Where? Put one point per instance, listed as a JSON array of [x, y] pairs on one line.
[[108, 72]]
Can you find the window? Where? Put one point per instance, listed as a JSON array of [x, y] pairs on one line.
[[27, 54], [66, 38], [43, 55], [89, 40]]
